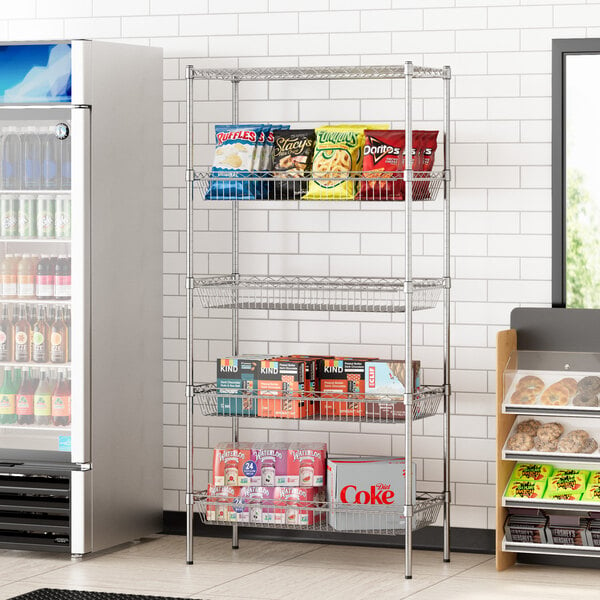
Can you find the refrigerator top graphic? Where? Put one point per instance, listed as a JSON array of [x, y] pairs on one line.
[[35, 73]]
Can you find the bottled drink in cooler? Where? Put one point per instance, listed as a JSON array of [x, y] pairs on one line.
[[11, 159], [8, 394], [65, 163], [25, 398], [41, 337], [22, 336], [6, 335], [45, 215], [8, 274], [42, 401], [61, 401], [62, 277], [50, 159], [26, 225], [32, 159], [44, 281], [59, 335], [62, 218], [9, 213], [26, 277]]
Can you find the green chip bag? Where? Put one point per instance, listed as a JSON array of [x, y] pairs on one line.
[[525, 489], [531, 471]]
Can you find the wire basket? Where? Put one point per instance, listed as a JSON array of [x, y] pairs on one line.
[[360, 294], [374, 186], [317, 515], [316, 406]]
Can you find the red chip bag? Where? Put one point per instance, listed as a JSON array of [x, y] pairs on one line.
[[382, 165], [426, 147]]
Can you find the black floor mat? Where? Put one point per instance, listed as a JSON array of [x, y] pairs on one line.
[[52, 594]]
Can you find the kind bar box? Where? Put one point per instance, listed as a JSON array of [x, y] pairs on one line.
[[297, 506], [364, 490], [231, 463], [236, 386], [384, 382], [337, 378], [306, 464], [282, 377]]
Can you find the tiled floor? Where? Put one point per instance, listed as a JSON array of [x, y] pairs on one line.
[[277, 570]]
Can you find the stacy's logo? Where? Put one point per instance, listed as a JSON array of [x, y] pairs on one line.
[[379, 150]]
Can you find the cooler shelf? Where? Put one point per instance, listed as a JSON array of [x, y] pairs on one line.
[[319, 514], [568, 505], [558, 549], [359, 408], [347, 294]]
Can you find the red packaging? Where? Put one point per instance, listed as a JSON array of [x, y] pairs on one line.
[[219, 505], [338, 378], [296, 506], [283, 377], [306, 464], [427, 145], [228, 464], [382, 165]]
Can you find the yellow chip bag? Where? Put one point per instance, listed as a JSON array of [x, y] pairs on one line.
[[338, 154]]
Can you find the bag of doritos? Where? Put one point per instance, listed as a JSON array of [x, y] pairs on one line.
[[382, 163]]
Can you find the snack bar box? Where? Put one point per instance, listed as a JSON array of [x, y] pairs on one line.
[[236, 386], [388, 377], [338, 378], [363, 490]]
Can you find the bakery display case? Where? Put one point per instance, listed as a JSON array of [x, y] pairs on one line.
[[548, 427]]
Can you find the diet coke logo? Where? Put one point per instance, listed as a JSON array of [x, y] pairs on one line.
[[380, 493]]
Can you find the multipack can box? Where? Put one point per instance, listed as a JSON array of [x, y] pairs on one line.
[[306, 464], [231, 464], [280, 386], [271, 460], [298, 506], [384, 383], [236, 386], [338, 378], [257, 505], [367, 493], [220, 503]]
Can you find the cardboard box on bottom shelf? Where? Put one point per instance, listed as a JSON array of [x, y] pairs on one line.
[[298, 506], [229, 460], [219, 505], [526, 525], [364, 490], [388, 377], [568, 530], [306, 464]]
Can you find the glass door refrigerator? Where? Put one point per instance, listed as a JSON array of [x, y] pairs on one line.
[[80, 294]]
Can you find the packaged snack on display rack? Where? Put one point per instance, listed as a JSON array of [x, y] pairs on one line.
[[306, 464], [291, 159], [529, 529], [338, 378], [384, 384], [236, 386], [365, 489], [568, 530]]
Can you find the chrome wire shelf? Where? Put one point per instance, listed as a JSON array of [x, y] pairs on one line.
[[346, 294], [316, 406], [317, 515], [333, 72], [357, 185]]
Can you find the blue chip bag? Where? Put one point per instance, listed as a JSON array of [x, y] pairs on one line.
[[235, 155]]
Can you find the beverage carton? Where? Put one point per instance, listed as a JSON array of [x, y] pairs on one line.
[[306, 464], [297, 506], [236, 386], [367, 493], [280, 385], [257, 505], [230, 464], [271, 463], [220, 503], [384, 384], [338, 378]]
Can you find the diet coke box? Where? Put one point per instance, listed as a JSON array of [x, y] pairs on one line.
[[220, 503], [306, 464], [257, 505], [297, 506], [363, 490], [230, 464], [271, 463]]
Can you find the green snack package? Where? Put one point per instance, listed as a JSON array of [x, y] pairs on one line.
[[568, 480], [591, 494], [531, 472], [594, 478], [525, 489], [562, 495]]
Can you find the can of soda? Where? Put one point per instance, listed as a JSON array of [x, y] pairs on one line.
[[62, 221], [45, 216], [27, 216], [9, 211]]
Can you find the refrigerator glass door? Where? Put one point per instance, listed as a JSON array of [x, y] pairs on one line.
[[39, 284]]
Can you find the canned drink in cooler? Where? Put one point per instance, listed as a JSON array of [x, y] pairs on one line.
[[62, 221], [9, 210], [27, 216], [45, 216]]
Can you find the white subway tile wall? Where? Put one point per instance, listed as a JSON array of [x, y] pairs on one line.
[[500, 53]]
